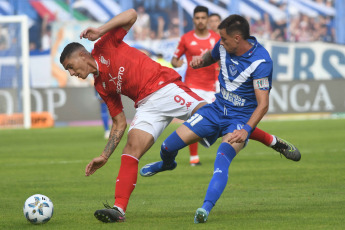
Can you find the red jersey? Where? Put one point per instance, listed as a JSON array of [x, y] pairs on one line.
[[125, 70], [191, 45]]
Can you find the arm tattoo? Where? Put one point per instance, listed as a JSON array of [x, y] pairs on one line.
[[114, 139], [208, 59]]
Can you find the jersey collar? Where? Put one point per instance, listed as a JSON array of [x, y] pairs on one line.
[[252, 40], [97, 69]]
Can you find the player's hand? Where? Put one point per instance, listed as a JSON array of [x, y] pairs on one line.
[[197, 62], [91, 34], [95, 164], [238, 136]]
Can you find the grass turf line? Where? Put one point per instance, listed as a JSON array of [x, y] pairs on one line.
[[264, 190]]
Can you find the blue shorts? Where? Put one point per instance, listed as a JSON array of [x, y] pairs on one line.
[[211, 122]]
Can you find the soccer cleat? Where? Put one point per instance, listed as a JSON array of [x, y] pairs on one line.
[[156, 167], [200, 216], [287, 149], [110, 215], [195, 162]]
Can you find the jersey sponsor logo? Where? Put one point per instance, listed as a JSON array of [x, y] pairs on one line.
[[104, 61], [233, 70], [233, 98], [262, 83], [103, 83], [193, 43], [118, 84], [203, 51]]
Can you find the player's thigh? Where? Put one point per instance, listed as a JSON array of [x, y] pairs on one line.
[[187, 135], [138, 142], [150, 120]]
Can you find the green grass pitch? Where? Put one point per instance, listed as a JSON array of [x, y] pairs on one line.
[[264, 191]]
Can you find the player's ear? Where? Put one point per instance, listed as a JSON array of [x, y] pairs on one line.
[[83, 54]]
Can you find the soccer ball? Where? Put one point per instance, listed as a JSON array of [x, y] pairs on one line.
[[38, 209]]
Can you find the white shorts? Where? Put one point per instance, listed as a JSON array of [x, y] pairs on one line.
[[208, 96], [156, 111]]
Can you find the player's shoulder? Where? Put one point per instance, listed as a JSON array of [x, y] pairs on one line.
[[188, 35], [214, 34]]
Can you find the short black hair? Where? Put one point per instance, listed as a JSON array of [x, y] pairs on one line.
[[215, 14], [235, 23], [69, 49], [200, 9]]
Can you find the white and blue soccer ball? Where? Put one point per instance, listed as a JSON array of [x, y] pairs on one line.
[[38, 209]]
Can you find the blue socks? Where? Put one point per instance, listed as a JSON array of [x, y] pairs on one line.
[[170, 147], [105, 116], [225, 154]]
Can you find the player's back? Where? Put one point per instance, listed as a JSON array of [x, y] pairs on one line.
[[126, 70]]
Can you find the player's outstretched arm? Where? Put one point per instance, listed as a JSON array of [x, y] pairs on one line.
[[118, 128], [125, 19], [203, 61]]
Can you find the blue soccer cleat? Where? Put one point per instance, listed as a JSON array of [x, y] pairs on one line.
[[201, 216], [156, 167]]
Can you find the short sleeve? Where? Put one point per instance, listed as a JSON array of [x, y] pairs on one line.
[[262, 76], [215, 51], [112, 39], [181, 48], [263, 70], [114, 104]]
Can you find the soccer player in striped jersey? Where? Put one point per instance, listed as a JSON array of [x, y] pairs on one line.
[[243, 100]]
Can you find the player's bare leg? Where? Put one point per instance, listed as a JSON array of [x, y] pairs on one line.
[[138, 143]]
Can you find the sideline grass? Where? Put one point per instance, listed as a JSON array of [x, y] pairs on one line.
[[264, 190]]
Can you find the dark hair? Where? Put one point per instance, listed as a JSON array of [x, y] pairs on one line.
[[235, 23], [200, 9], [215, 14], [69, 49]]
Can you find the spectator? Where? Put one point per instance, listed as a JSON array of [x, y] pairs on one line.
[[4, 38], [141, 27]]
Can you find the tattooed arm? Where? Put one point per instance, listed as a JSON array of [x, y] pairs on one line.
[[116, 133], [203, 61]]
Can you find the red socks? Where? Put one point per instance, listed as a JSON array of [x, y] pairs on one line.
[[193, 149], [261, 136], [126, 180]]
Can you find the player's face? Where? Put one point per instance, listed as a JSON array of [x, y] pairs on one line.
[[200, 20], [213, 23], [76, 65], [230, 42]]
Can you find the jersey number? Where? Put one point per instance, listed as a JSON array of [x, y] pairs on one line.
[[194, 119], [179, 99]]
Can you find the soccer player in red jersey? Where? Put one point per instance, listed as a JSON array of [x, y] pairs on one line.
[[202, 81], [157, 91]]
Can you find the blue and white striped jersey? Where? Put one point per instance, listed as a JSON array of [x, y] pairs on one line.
[[237, 75]]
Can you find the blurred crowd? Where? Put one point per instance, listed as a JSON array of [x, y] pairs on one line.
[[299, 27], [159, 20]]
